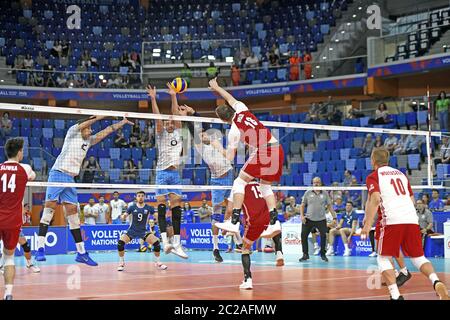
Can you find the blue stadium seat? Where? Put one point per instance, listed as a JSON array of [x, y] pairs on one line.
[[326, 156], [59, 133], [118, 163], [411, 118], [35, 142], [312, 167], [105, 163], [47, 133], [125, 153], [307, 179], [114, 175], [345, 153], [92, 152], [393, 161], [309, 136], [36, 123], [361, 164], [414, 161], [422, 117], [144, 176], [331, 166], [59, 124], [316, 156], [337, 176], [136, 153], [326, 178], [401, 120], [47, 143], [321, 167], [36, 132], [37, 164], [48, 123], [114, 153], [350, 164], [188, 173], [34, 152], [368, 164]]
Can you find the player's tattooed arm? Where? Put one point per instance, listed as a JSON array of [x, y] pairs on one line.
[[155, 109], [110, 129], [213, 85]]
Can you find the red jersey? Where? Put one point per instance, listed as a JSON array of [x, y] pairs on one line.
[[13, 180], [254, 207], [247, 128]]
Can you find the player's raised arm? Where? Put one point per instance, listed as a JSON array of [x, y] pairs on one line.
[[185, 110], [213, 85], [110, 129], [155, 109], [175, 107], [89, 122]]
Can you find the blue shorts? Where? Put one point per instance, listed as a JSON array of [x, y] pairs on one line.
[[136, 234], [168, 177], [61, 194], [218, 196]]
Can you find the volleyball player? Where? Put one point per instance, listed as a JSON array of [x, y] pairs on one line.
[[118, 207], [390, 191], [170, 148], [264, 163], [78, 140], [140, 214], [13, 177], [221, 171]]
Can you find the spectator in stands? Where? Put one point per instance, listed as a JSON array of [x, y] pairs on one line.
[[38, 79], [346, 228], [205, 211], [252, 62], [120, 141], [367, 146], [49, 76], [294, 69], [124, 82], [335, 193], [91, 82], [425, 220], [65, 48], [56, 50], [336, 117], [124, 60], [359, 66], [235, 75], [354, 195], [378, 141], [307, 58], [400, 147], [292, 210], [61, 80], [274, 59], [212, 71], [90, 168], [188, 213], [86, 58], [313, 113], [28, 62], [186, 74], [130, 171], [5, 125], [381, 115], [444, 152], [448, 200], [275, 49], [114, 82], [413, 143], [436, 204], [40, 59], [426, 199], [78, 81], [354, 112], [26, 215], [147, 138], [134, 60], [348, 178], [338, 205], [243, 55], [390, 143], [442, 106], [135, 138], [71, 81]]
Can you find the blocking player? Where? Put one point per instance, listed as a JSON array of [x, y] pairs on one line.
[[257, 219], [13, 180], [77, 142], [390, 192], [170, 148], [140, 213], [265, 161]]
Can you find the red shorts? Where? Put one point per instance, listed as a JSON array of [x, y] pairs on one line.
[[253, 232], [377, 231], [259, 223], [10, 238], [404, 236], [266, 164]]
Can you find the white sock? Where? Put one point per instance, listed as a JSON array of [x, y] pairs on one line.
[[238, 239], [346, 246], [176, 239], [279, 255], [157, 259], [80, 247], [28, 263], [316, 245], [8, 289], [393, 290], [215, 239], [404, 271], [41, 242], [122, 260], [164, 237], [433, 277]]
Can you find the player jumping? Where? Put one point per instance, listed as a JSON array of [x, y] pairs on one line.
[[78, 140], [140, 214]]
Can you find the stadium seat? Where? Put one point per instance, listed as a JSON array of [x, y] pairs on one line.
[[414, 161], [114, 153]]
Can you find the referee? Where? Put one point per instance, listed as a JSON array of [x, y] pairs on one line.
[[318, 203]]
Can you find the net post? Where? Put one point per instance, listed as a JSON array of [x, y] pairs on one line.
[[428, 141]]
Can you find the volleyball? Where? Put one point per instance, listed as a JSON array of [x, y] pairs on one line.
[[179, 85]]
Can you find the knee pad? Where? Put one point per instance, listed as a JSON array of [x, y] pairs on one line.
[[74, 221], [384, 263], [266, 190], [162, 210], [26, 247], [418, 262], [239, 186], [120, 245], [47, 216], [8, 260], [157, 246]]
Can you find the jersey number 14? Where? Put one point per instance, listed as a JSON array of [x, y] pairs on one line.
[[11, 185]]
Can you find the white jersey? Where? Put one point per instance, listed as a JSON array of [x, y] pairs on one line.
[[102, 209], [395, 191], [329, 217], [117, 208], [89, 210], [73, 152], [170, 147], [217, 163]]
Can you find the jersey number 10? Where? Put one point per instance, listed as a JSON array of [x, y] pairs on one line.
[[11, 185], [398, 186]]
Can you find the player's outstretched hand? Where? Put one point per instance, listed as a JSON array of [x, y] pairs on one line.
[[171, 90], [190, 111], [126, 121], [213, 85], [151, 92]]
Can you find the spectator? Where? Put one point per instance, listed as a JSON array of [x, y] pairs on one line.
[[354, 113], [28, 62], [134, 60], [120, 141], [436, 204], [49, 76], [378, 142], [335, 193], [65, 48], [86, 59], [78, 81], [147, 138], [91, 167], [252, 62], [292, 210], [235, 75], [129, 172], [413, 143], [275, 49], [274, 59], [243, 55], [359, 65], [426, 199], [124, 60], [400, 147], [56, 50], [38, 79], [205, 211], [40, 59], [26, 215], [331, 223], [61, 81], [212, 71], [336, 117], [391, 143], [294, 69], [354, 195], [443, 108], [91, 82], [186, 74], [90, 212], [103, 212], [307, 58], [5, 125], [188, 213], [425, 220], [124, 81], [135, 138], [367, 146], [444, 152], [348, 178], [313, 113], [381, 115], [338, 205], [71, 81], [115, 81], [346, 228]]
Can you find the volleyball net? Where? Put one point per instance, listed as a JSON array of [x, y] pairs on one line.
[[127, 159]]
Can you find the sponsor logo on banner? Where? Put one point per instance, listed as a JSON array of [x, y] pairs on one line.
[[199, 236], [292, 238], [55, 241], [362, 248]]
